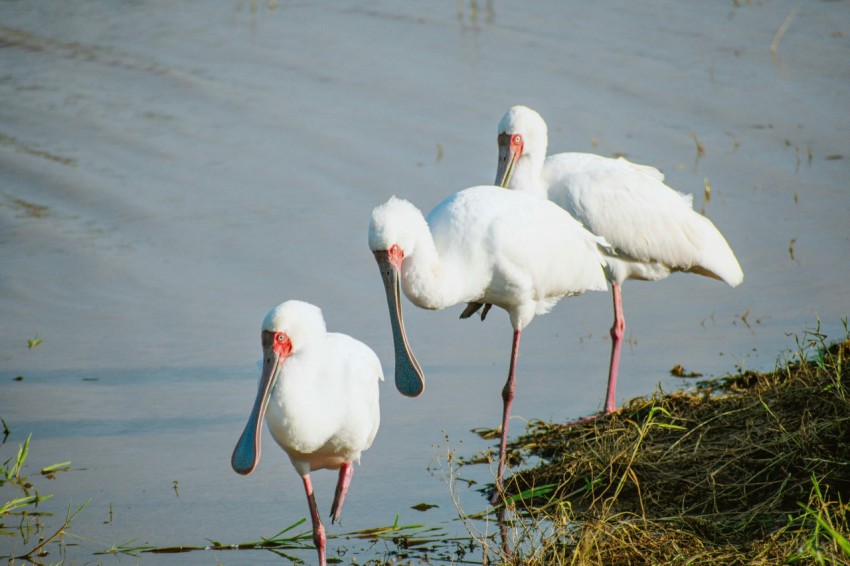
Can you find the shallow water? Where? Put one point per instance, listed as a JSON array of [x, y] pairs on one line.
[[171, 170]]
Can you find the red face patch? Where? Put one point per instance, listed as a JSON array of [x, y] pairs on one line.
[[395, 254], [281, 344], [516, 144]]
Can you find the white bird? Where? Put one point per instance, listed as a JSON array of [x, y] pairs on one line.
[[652, 228], [483, 245], [321, 391]]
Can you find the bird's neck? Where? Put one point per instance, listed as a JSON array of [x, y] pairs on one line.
[[432, 281], [420, 275], [527, 175]]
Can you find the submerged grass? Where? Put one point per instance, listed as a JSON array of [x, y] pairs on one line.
[[405, 544], [19, 516], [751, 468]]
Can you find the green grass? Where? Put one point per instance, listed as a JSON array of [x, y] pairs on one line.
[[19, 516]]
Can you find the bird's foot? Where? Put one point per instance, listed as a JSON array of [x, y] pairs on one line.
[[487, 307], [472, 308]]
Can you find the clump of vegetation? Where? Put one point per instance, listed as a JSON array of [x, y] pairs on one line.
[[751, 468], [19, 516]]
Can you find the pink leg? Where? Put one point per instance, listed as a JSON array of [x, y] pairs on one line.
[[345, 473], [617, 332], [503, 530], [507, 398], [318, 529]]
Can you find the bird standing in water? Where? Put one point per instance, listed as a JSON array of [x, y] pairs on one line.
[[481, 245], [319, 394], [652, 229]]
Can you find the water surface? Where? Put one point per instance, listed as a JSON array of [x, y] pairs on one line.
[[171, 170]]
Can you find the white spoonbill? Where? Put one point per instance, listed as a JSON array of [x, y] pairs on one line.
[[483, 245], [652, 228], [321, 391]]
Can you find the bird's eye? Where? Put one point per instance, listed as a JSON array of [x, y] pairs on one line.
[[517, 138], [280, 337]]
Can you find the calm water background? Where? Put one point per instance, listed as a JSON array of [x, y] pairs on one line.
[[171, 170]]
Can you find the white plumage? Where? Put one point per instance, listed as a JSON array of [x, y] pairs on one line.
[[319, 394], [652, 228], [481, 245], [493, 246]]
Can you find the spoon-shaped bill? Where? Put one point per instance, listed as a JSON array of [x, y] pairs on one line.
[[247, 451], [409, 379]]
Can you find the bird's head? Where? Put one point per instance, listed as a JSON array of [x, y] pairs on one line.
[[522, 137], [301, 323], [396, 224]]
